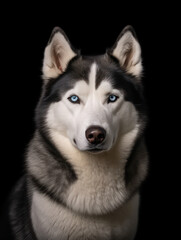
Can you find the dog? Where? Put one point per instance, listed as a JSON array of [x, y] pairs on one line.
[[87, 158]]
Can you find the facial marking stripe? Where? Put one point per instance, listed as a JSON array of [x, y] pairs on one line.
[[92, 76]]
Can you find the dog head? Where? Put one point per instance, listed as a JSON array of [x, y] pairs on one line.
[[91, 101]]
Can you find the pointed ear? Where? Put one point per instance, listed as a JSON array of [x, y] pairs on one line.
[[57, 54], [127, 50]]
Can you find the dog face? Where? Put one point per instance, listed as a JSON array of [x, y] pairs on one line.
[[91, 101]]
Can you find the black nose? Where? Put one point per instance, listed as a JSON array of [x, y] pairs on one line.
[[95, 134]]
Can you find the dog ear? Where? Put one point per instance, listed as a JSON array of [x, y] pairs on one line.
[[57, 54], [128, 51]]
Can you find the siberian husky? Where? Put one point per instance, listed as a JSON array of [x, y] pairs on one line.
[[87, 158]]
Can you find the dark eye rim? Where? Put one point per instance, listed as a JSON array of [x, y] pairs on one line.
[[76, 102], [108, 100]]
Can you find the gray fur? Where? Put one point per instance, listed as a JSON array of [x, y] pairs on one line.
[[48, 168]]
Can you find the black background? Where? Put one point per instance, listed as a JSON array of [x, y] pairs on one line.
[[92, 28]]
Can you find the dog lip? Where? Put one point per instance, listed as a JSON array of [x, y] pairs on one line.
[[95, 150]]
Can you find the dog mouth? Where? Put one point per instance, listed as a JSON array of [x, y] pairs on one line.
[[90, 149], [95, 150]]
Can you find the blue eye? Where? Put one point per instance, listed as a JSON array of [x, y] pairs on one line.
[[74, 99], [112, 98]]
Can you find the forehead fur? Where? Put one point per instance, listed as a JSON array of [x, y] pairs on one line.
[[106, 68], [105, 65]]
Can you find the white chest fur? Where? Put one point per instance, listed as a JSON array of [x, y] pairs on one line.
[[56, 222], [100, 186]]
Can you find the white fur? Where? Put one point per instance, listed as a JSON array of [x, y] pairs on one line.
[[126, 43], [92, 77], [53, 221]]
